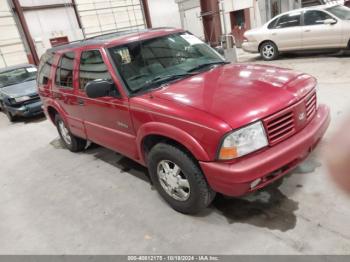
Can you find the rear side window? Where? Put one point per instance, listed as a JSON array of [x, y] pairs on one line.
[[289, 20], [315, 17], [92, 68], [64, 73], [272, 24], [45, 69]]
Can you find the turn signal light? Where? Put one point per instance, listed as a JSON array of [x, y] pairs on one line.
[[227, 153]]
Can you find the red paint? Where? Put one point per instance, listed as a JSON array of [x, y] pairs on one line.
[[197, 112]]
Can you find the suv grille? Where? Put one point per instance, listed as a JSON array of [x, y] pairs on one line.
[[311, 104], [289, 121]]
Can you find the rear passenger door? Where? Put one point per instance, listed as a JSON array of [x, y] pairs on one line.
[[63, 91], [107, 120], [286, 33]]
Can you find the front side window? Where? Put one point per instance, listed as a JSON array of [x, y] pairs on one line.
[[315, 17], [92, 68], [339, 11], [64, 73], [162, 59], [17, 76], [289, 20]]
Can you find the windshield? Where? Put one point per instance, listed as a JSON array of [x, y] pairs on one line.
[[341, 12], [150, 63], [16, 76]]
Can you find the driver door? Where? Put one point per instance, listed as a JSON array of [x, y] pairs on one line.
[[107, 119]]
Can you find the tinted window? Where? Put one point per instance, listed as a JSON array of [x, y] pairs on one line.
[[289, 20], [64, 73], [92, 68], [315, 17], [45, 68], [272, 24]]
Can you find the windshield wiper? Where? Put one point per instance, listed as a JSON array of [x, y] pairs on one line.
[[28, 79], [199, 67], [160, 80]]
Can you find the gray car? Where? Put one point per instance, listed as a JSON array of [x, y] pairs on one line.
[[18, 92]]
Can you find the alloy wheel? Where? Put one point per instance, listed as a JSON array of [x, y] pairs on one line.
[[173, 181], [65, 133], [268, 51]]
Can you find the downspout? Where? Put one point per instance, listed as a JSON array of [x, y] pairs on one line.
[[146, 13], [18, 10]]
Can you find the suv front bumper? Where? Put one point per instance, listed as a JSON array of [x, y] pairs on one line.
[[257, 171], [28, 110]]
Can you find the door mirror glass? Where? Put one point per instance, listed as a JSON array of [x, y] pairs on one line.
[[99, 88], [330, 21]]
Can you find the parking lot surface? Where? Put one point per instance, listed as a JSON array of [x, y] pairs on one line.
[[98, 202]]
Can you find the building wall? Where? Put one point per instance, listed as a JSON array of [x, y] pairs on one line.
[[12, 48], [46, 24], [164, 13]]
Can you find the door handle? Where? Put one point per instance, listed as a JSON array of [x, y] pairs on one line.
[[307, 31], [81, 102], [274, 33]]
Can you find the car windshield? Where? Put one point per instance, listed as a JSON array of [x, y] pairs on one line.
[[16, 76], [144, 65], [341, 12]]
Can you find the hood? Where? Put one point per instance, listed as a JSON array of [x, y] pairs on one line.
[[21, 89], [240, 94]]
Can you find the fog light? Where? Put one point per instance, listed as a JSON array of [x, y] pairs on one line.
[[255, 183]]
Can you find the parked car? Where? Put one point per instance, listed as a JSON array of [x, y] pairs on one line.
[[18, 92], [314, 28], [170, 102]]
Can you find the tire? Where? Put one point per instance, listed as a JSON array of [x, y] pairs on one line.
[[10, 117], [199, 194], [269, 51], [73, 143]]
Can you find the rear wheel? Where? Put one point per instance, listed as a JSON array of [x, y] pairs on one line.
[[178, 179], [269, 51], [73, 143]]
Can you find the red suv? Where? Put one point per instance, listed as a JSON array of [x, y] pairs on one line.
[[170, 102]]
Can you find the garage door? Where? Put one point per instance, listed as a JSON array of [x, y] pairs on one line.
[[105, 16], [12, 50]]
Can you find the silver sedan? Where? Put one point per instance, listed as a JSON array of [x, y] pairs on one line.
[[316, 28]]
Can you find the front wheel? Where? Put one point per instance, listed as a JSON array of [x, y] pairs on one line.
[[269, 51], [73, 143], [178, 179], [10, 117]]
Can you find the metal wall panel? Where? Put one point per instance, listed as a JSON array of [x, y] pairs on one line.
[[12, 49], [105, 16]]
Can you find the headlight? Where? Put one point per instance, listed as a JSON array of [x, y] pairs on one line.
[[22, 99], [243, 141]]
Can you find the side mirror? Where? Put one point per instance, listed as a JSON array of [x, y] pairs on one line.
[[99, 88], [330, 21]]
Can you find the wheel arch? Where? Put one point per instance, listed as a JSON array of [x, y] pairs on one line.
[[265, 41], [153, 133]]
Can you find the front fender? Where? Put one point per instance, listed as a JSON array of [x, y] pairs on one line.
[[171, 132]]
